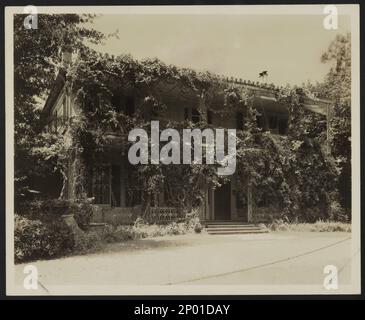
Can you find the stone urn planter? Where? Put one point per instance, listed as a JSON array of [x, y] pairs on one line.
[[70, 221]]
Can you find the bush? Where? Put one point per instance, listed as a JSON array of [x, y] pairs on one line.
[[175, 229], [319, 226], [117, 233], [47, 210], [141, 230], [35, 239], [338, 213], [87, 241], [193, 223]]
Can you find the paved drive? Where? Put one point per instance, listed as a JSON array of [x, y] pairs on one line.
[[248, 260]]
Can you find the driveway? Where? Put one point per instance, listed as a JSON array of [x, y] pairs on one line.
[[278, 262]]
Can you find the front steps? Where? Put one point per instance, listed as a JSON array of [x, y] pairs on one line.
[[233, 227]]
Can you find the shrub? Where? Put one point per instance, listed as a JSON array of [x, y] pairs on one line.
[[338, 213], [318, 226], [87, 241], [278, 225], [47, 210], [175, 228], [141, 230], [36, 239], [117, 233], [331, 226], [192, 222]]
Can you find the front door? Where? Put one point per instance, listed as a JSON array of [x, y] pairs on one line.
[[222, 202]]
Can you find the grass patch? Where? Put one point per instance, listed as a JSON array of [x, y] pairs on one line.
[[319, 226]]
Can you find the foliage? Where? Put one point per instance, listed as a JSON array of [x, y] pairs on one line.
[[37, 59], [48, 210], [141, 230], [192, 222], [291, 173], [318, 226], [99, 78], [36, 239], [337, 88], [86, 242]]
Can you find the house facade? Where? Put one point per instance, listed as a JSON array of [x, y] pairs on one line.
[[111, 184]]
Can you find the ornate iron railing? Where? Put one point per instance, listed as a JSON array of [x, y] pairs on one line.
[[164, 214]]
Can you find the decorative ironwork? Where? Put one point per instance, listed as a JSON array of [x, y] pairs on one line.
[[164, 214]]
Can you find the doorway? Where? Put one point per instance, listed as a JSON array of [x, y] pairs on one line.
[[222, 202]]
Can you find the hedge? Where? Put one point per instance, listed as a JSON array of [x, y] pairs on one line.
[[40, 231]]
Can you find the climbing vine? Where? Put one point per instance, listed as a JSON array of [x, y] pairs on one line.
[[288, 173]]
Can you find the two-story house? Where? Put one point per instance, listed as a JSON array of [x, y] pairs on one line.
[[112, 184]]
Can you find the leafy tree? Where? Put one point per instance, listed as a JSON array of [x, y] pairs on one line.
[[37, 60], [337, 88]]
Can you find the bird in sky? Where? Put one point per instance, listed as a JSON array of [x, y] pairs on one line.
[[264, 74]]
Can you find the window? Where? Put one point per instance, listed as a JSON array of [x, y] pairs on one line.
[[209, 117], [91, 103], [273, 122], [260, 121], [55, 121], [101, 185], [239, 120], [283, 126], [187, 114], [129, 106], [195, 116], [133, 194], [123, 104], [116, 102]]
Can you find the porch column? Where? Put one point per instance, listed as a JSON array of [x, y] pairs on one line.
[[123, 183], [206, 204], [249, 202], [212, 217]]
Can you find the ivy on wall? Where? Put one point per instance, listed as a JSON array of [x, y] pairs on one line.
[[289, 173]]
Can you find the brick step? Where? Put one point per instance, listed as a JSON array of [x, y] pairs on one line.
[[237, 231], [225, 222], [243, 226], [228, 232], [234, 228]]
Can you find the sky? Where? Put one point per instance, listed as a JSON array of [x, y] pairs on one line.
[[289, 47]]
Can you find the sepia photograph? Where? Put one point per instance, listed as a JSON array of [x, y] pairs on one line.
[[182, 150]]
